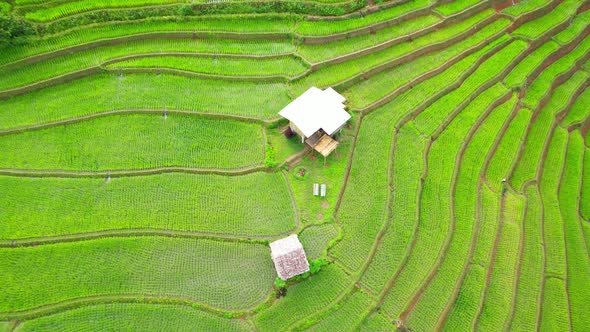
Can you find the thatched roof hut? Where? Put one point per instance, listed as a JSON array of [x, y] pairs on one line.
[[289, 257]]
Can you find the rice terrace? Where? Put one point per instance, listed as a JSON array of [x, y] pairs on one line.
[[289, 165]]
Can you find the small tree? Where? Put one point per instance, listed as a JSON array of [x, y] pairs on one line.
[[14, 30]]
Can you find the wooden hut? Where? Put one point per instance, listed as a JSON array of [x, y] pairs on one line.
[[289, 257], [317, 115]]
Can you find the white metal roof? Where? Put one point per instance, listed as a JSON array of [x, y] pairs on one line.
[[316, 109], [285, 245]]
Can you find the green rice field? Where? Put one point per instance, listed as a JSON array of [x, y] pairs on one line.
[[144, 168]]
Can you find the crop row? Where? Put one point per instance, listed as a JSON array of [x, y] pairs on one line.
[[106, 92], [138, 317], [370, 160], [555, 303], [136, 141], [375, 62], [579, 110], [253, 204], [381, 84], [315, 239], [228, 275], [462, 316], [453, 7], [578, 262], [407, 168], [540, 88], [506, 153], [539, 129], [347, 316], [499, 298], [565, 11], [530, 282], [585, 194], [215, 63], [577, 26], [488, 72], [525, 7], [436, 207], [463, 214], [304, 299]]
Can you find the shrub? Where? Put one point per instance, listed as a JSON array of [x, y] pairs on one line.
[[14, 30]]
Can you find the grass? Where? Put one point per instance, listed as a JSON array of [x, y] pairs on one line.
[[137, 141], [127, 317], [41, 207], [231, 275], [108, 92]]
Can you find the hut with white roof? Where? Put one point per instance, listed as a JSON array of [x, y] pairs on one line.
[[289, 257], [317, 115]]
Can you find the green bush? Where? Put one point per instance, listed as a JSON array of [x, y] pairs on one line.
[[14, 30]]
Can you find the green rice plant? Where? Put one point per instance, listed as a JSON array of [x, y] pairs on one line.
[[498, 304], [526, 168], [585, 192], [578, 264], [387, 81], [489, 70], [407, 167], [304, 299], [507, 151], [529, 284], [435, 215], [137, 141], [524, 7], [555, 314], [438, 293], [577, 27], [519, 75], [445, 33], [470, 296], [579, 110], [361, 221], [227, 275], [76, 7], [553, 222], [321, 52], [565, 11], [376, 322], [114, 317], [455, 7], [332, 74], [466, 305], [348, 315], [328, 27], [287, 66], [217, 64], [107, 92], [315, 239], [542, 85], [210, 204], [114, 30]]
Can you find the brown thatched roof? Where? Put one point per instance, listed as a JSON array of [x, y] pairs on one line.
[[289, 257]]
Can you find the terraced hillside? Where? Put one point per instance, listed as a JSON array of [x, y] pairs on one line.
[[143, 169]]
